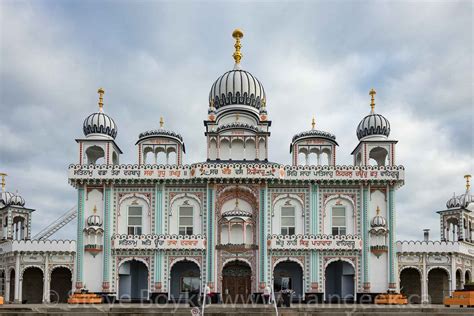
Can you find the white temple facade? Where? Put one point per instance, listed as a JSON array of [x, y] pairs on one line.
[[237, 222]]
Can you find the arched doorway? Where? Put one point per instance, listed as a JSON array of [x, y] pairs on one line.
[[185, 280], [32, 286], [467, 277], [133, 281], [12, 285], [459, 280], [288, 275], [60, 285], [438, 285], [410, 285], [236, 282], [339, 282]]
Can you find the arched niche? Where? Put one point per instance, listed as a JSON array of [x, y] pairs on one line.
[[250, 149], [181, 207], [285, 208], [213, 149], [95, 155], [338, 206], [237, 151], [224, 149], [378, 156]]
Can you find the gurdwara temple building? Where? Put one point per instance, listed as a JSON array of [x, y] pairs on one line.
[[237, 223]]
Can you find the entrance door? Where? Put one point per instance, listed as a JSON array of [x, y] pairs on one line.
[[236, 282], [133, 281], [339, 282]]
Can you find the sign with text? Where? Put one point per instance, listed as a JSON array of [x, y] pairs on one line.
[[161, 242], [320, 242]]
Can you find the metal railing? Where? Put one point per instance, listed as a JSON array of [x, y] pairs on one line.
[[59, 223]]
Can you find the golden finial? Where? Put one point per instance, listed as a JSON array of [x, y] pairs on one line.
[[162, 122], [313, 122], [236, 203], [237, 35], [372, 93], [378, 210], [95, 209], [3, 175], [468, 181], [101, 98]]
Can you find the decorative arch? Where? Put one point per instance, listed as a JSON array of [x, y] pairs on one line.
[[28, 267], [439, 267], [179, 259], [339, 196], [340, 259], [56, 266], [180, 196], [410, 267], [246, 261], [142, 260], [135, 195], [292, 259]]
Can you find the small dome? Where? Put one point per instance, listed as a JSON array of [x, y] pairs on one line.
[[314, 133], [462, 200], [236, 213], [373, 124], [100, 123], [237, 87], [17, 200], [453, 202], [378, 222], [5, 199], [94, 221], [160, 132]]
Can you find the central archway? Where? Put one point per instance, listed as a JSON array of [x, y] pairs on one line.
[[32, 286], [237, 282], [288, 275], [340, 282], [185, 280], [133, 281], [61, 285], [438, 285], [410, 284]]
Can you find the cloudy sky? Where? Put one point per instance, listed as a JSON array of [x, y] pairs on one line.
[[160, 58]]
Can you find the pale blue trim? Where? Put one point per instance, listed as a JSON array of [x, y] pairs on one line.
[[314, 230], [80, 236], [391, 233], [365, 249], [158, 229], [210, 235], [263, 235], [107, 250]]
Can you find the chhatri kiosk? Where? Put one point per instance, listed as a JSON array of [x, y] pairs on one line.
[[236, 222]]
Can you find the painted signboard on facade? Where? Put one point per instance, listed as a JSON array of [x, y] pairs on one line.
[[210, 171], [318, 242], [161, 242]]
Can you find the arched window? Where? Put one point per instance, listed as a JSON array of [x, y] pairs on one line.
[[288, 220], [185, 220], [95, 155], [135, 220], [338, 220]]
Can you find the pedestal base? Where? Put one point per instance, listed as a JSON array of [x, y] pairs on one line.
[[1, 300], [391, 299], [461, 298], [84, 298]]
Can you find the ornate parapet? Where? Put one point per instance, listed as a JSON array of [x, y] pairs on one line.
[[203, 171], [435, 247], [314, 242], [158, 242], [57, 246]]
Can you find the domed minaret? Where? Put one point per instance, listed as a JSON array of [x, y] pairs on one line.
[[374, 148], [100, 130], [237, 127]]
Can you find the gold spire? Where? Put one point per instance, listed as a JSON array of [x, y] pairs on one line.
[[378, 210], [237, 35], [372, 93], [468, 181], [313, 122], [95, 209], [162, 122], [101, 99], [3, 175]]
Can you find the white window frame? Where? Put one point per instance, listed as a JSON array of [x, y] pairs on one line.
[[137, 229], [341, 230], [286, 229], [186, 227]]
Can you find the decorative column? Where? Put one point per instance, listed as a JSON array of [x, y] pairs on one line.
[[17, 278], [7, 286], [80, 238], [46, 279], [365, 233], [314, 230], [158, 230], [210, 238], [107, 239], [392, 283], [263, 238]]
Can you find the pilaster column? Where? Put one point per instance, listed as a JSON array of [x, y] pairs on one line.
[[424, 281], [314, 230], [17, 278], [365, 234], [392, 283], [158, 230], [46, 284], [107, 239], [80, 237], [263, 277], [210, 237]]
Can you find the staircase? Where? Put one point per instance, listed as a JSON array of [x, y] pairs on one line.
[[59, 223]]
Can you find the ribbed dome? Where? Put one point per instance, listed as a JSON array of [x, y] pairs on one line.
[[453, 202], [462, 200], [17, 200], [5, 199], [237, 87], [94, 221], [100, 123], [373, 124], [378, 222]]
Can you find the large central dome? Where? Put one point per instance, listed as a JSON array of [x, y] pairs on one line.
[[237, 86]]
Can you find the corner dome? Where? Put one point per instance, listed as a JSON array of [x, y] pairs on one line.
[[99, 123], [5, 198], [378, 222], [373, 124], [94, 221], [17, 200], [463, 200]]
